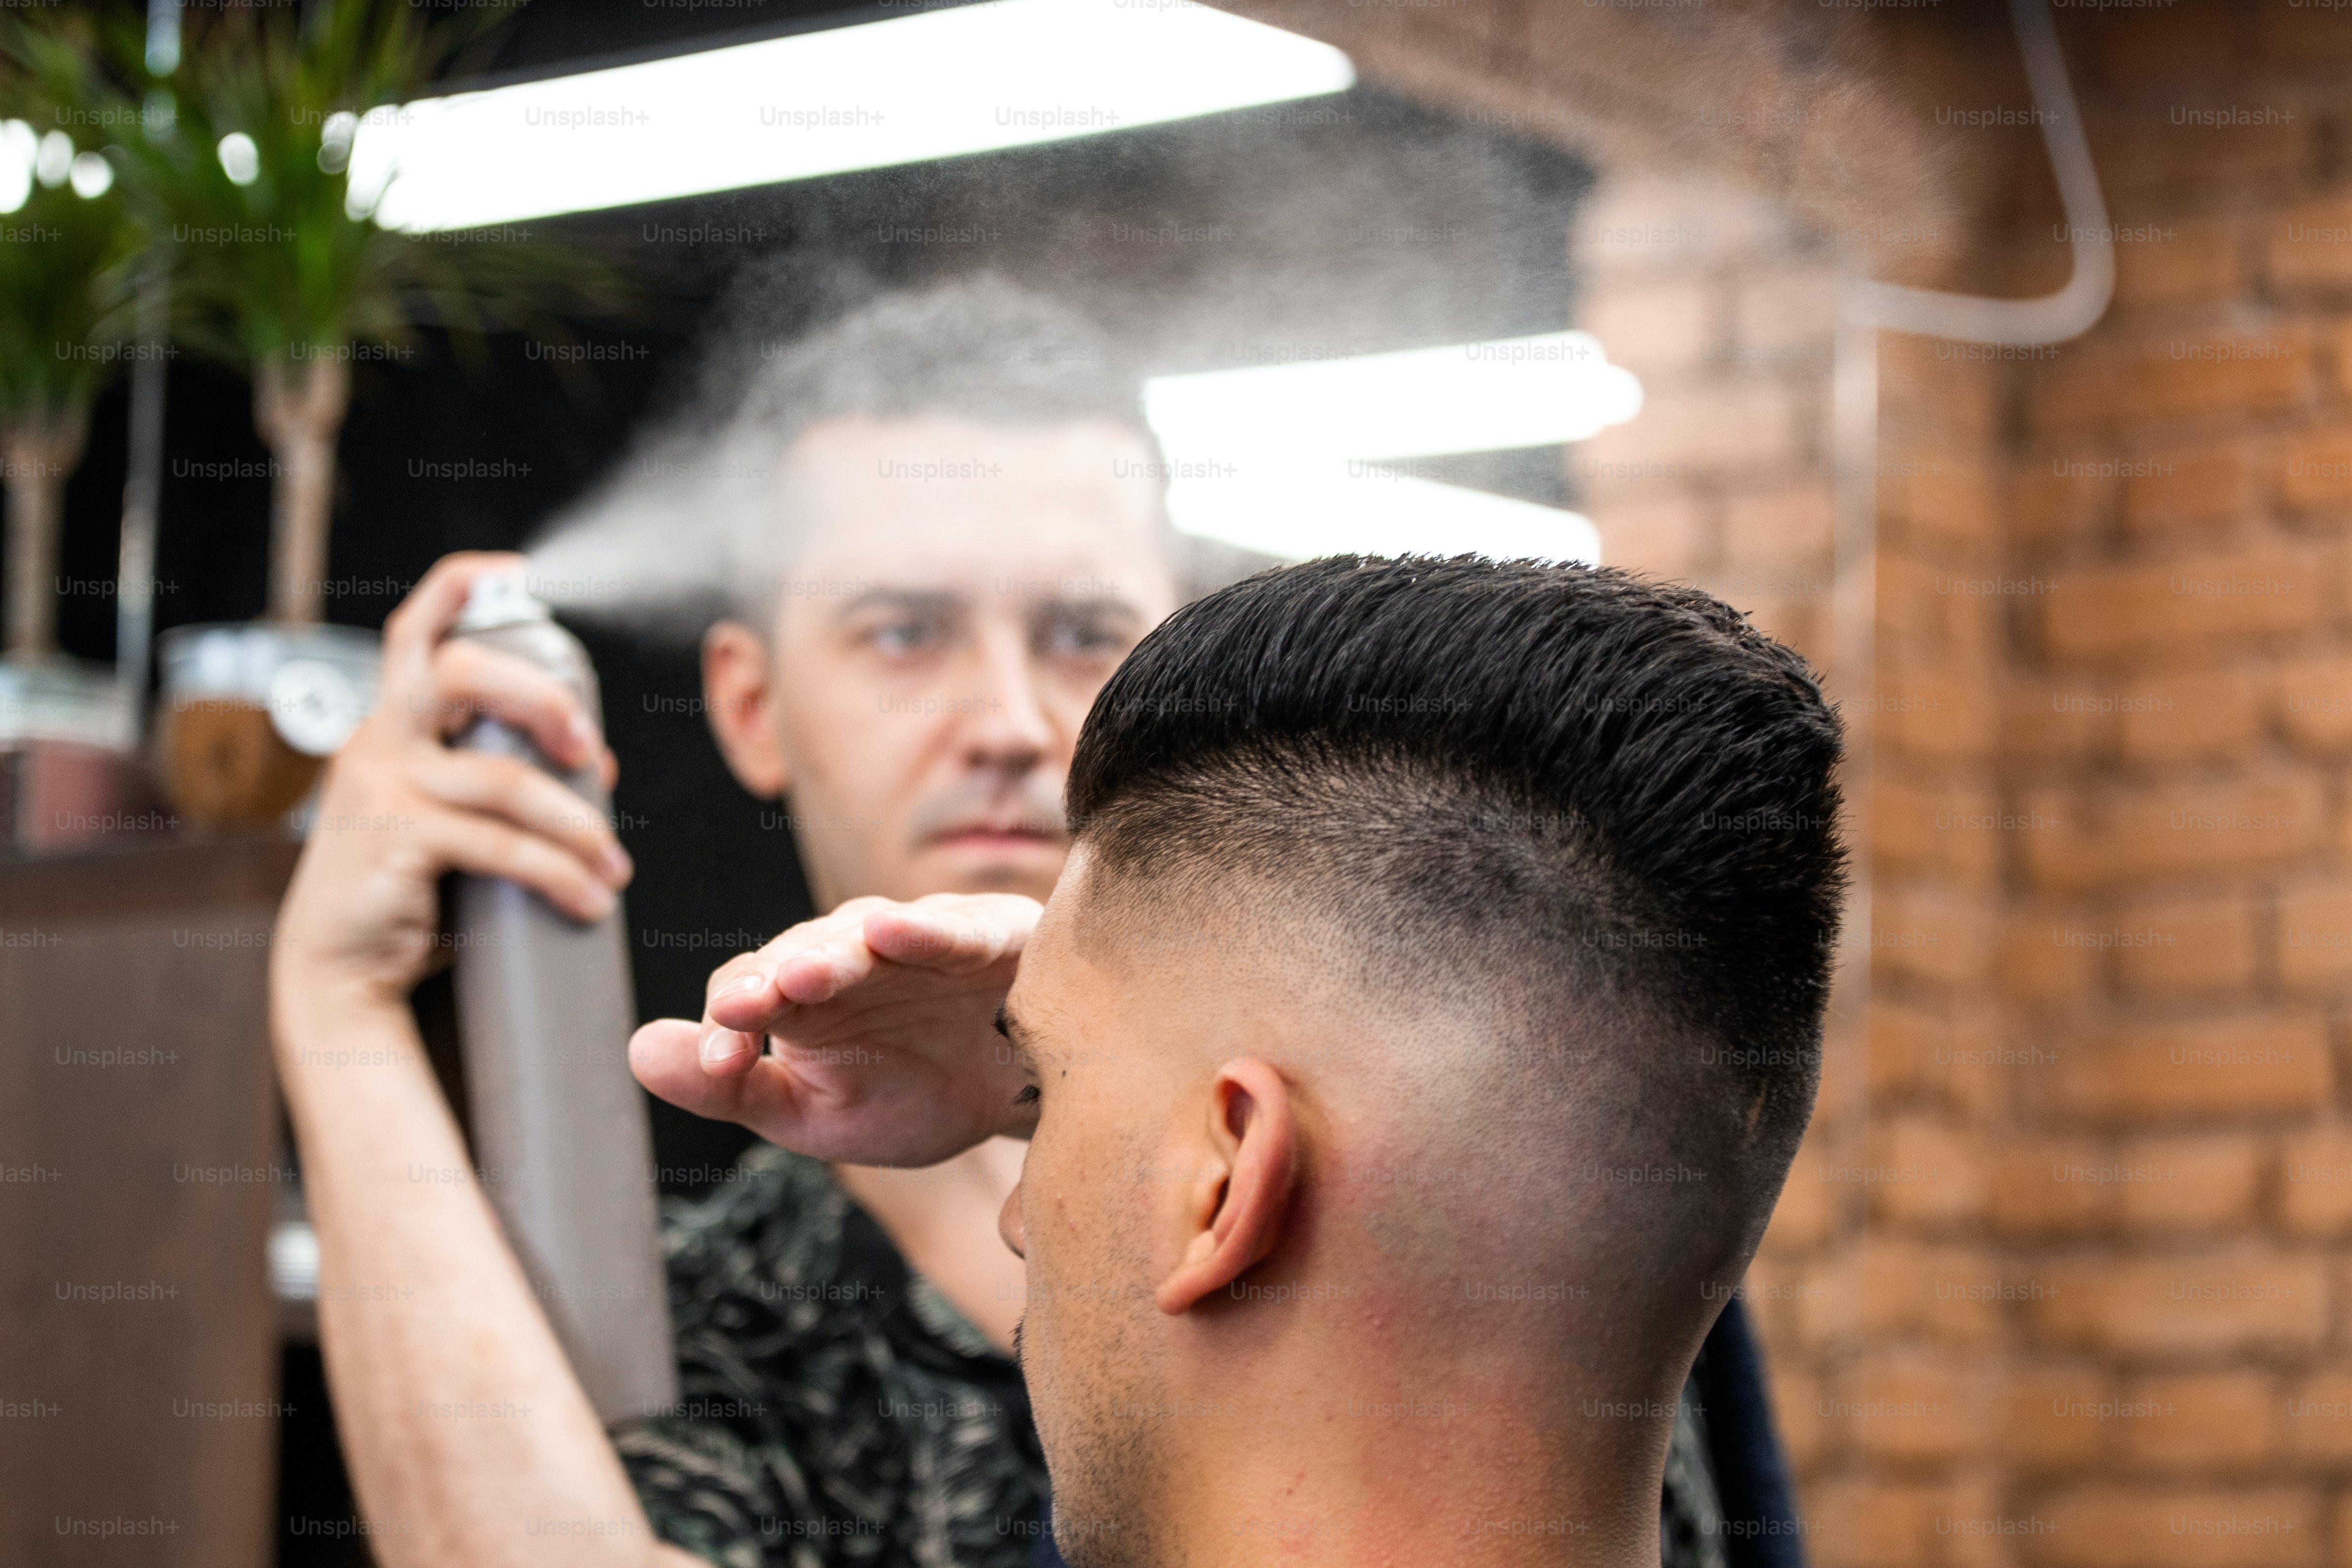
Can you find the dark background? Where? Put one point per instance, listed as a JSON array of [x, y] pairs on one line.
[[1346, 226]]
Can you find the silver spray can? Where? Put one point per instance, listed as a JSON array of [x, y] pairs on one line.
[[545, 1011]]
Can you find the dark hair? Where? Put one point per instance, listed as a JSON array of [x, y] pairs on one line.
[[1615, 790]]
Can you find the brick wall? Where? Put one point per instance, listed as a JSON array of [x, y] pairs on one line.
[[2062, 1276]]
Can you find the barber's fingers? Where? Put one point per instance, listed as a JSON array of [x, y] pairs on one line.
[[813, 962], [471, 679], [755, 1092], [414, 629], [952, 935], [528, 798], [487, 847]]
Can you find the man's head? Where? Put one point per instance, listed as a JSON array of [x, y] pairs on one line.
[[962, 533], [1428, 1017]]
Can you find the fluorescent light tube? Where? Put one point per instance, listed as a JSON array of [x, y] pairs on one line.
[[1300, 461], [1297, 518], [1469, 397], [969, 79]]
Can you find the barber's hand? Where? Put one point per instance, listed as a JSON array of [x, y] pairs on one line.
[[883, 1017], [399, 806]]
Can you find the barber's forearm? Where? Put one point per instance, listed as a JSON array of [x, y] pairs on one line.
[[470, 1440]]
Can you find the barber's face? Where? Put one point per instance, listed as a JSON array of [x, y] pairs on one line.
[[960, 593]]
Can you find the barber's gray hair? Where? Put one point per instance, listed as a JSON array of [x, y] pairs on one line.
[[978, 348], [695, 525]]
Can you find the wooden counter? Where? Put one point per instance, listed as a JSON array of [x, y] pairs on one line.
[[140, 1164]]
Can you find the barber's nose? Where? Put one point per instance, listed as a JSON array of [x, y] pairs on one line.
[[1008, 1224], [1010, 729]]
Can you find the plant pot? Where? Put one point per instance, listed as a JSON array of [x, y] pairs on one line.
[[68, 776], [246, 715]]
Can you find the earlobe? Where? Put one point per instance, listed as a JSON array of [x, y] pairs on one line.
[[1238, 1207], [735, 691]]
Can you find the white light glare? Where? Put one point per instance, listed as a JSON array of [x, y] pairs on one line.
[[1298, 461], [92, 175], [1469, 397], [240, 160], [335, 142], [55, 160], [19, 145], [940, 84]]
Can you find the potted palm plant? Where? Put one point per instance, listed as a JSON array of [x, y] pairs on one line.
[[67, 237], [277, 270]]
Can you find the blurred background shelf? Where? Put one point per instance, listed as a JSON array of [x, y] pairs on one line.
[[136, 1320]]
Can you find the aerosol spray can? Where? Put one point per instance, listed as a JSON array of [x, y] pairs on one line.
[[545, 1010]]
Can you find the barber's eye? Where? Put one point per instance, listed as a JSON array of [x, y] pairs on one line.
[[1080, 636], [907, 636]]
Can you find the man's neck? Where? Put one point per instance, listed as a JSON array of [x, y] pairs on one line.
[[1366, 1467]]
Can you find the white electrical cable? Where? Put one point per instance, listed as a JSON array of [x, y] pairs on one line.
[[1867, 307], [2053, 318]]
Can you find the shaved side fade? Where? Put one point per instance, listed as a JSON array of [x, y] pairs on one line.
[[1604, 804]]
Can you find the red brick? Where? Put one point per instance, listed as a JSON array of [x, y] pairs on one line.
[[1663, 535], [2216, 713], [2211, 1421], [1923, 1171], [2317, 1417], [2049, 955], [2172, 607], [1950, 1294], [2154, 380], [2316, 471], [2176, 946], [1910, 1407], [2111, 1526], [2057, 500], [1931, 718], [1692, 431], [2165, 43], [2315, 936], [2058, 1186], [2315, 701], [1807, 1212], [1785, 321], [2177, 264], [2045, 1414], [1923, 621], [2150, 160], [1655, 329], [1940, 504], [2172, 829], [2070, 722], [2301, 39], [2188, 491], [1950, 1054], [2247, 1301], [1934, 935], [1920, 1524], [1779, 526], [2310, 246], [2315, 1181], [2248, 1065], [1956, 832], [2217, 1178]]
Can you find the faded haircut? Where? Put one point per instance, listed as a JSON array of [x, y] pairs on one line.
[[978, 348], [1611, 798]]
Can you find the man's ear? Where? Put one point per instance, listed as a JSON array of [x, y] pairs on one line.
[[738, 693], [1245, 1176]]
